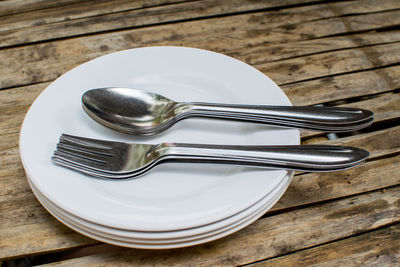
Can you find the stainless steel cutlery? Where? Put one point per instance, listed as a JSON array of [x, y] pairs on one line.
[[117, 160], [140, 112]]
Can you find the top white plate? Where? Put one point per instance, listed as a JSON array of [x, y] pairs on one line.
[[170, 196]]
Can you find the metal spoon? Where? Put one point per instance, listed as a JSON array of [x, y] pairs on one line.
[[139, 112]]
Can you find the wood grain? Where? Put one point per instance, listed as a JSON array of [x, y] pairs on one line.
[[342, 53], [22, 15], [265, 52], [271, 236], [9, 7], [331, 63], [376, 248], [130, 19], [312, 188], [386, 108], [305, 189], [87, 18], [107, 12], [46, 61], [339, 87]]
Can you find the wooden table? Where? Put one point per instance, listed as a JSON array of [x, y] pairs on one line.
[[341, 53]]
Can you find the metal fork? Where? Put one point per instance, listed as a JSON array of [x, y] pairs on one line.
[[118, 160]]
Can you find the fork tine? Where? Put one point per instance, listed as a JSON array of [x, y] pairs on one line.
[[101, 144], [93, 151], [85, 140], [81, 168], [80, 159], [84, 153], [98, 173], [92, 145], [86, 148]]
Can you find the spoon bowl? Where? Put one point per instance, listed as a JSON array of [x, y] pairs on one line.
[[128, 110]]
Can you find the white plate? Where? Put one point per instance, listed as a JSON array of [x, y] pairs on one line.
[[170, 196], [124, 240], [172, 236]]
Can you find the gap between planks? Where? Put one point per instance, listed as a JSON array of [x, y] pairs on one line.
[[208, 11], [45, 57], [287, 71], [123, 7], [273, 236], [362, 249], [178, 12], [24, 7], [313, 188], [355, 249], [181, 10]]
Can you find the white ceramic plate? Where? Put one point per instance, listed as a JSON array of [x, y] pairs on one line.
[[171, 196], [127, 241], [172, 236]]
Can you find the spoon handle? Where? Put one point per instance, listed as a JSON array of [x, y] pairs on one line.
[[334, 119], [315, 158]]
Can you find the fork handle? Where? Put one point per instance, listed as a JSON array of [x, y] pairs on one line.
[[291, 157]]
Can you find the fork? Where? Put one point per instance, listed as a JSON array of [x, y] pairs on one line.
[[118, 160]]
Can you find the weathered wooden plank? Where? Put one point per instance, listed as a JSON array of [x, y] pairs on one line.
[[105, 12], [43, 239], [40, 13], [331, 63], [30, 230], [14, 103], [10, 7], [19, 204], [135, 18], [9, 151], [263, 53], [86, 18], [26, 223], [386, 108], [363, 6], [44, 62], [271, 236], [378, 143], [376, 248], [290, 16], [312, 187], [344, 86]]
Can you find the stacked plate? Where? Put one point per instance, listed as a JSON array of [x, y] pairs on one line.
[[164, 239], [173, 205]]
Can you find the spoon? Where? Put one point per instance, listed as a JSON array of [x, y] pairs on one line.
[[139, 112]]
